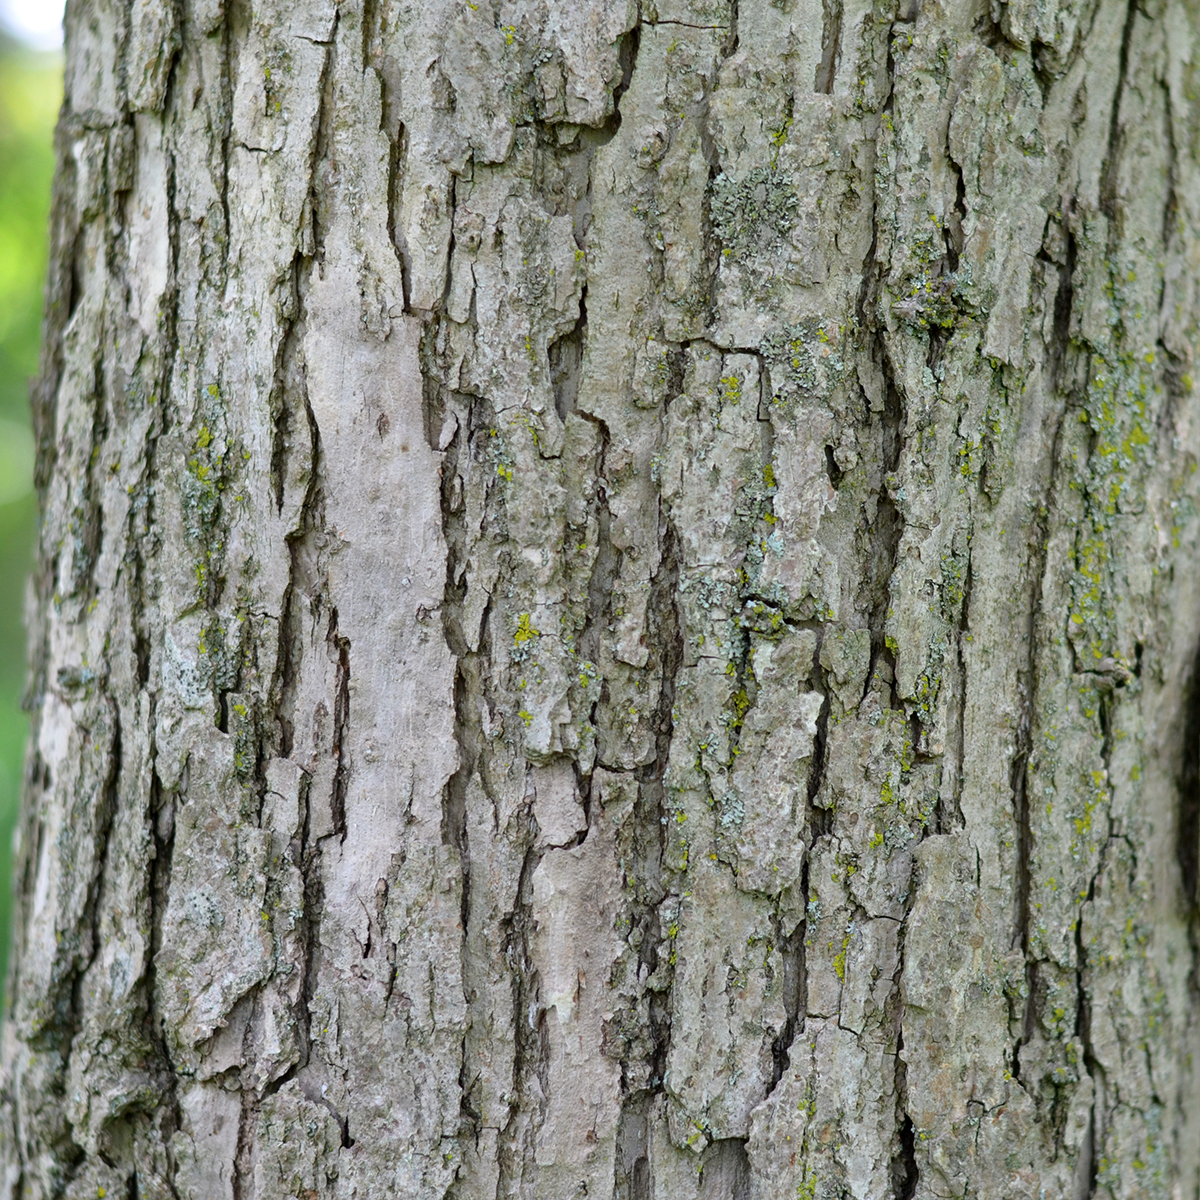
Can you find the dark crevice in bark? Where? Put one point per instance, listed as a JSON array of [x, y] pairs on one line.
[[140, 522], [451, 206], [820, 818], [666, 635], [1188, 834], [905, 1172], [1171, 223], [684, 24], [466, 688], [371, 30], [643, 1051], [107, 802], [309, 855], [1018, 784], [834, 472], [1088, 1165], [302, 570], [795, 988], [962, 635], [241, 1179], [729, 46], [990, 31], [566, 362], [1045, 67], [530, 1053], [397, 155], [952, 231], [1064, 305], [626, 61], [642, 1078], [312, 234], [235, 27], [1176, 374], [643, 1054], [162, 829], [1188, 850], [1109, 180], [745, 691], [831, 47], [338, 649], [888, 526], [87, 515], [287, 384], [607, 564]]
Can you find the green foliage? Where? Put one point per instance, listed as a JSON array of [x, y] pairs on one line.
[[30, 89]]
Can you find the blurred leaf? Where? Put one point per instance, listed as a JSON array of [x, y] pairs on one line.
[[30, 94], [16, 461]]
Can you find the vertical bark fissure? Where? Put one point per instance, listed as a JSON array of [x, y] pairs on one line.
[[338, 648], [831, 45], [905, 1172], [529, 1057], [1088, 1162], [729, 47], [468, 739], [667, 633], [888, 524], [1059, 376], [397, 150], [1019, 774], [606, 567], [162, 827], [1110, 205], [1189, 793], [286, 365], [230, 12], [821, 817], [1109, 188], [962, 635], [312, 240], [794, 990]]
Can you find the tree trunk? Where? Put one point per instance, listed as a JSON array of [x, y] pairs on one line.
[[618, 606]]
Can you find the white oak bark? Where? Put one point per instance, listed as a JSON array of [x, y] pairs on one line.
[[618, 606]]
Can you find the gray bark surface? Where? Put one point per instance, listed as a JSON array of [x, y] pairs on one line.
[[618, 605]]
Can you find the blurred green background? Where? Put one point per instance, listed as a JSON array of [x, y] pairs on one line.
[[30, 93]]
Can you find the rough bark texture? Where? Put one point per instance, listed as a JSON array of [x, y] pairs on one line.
[[619, 605]]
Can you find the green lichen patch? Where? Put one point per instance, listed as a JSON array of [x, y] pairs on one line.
[[753, 216], [806, 358]]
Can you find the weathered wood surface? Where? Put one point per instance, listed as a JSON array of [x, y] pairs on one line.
[[618, 604]]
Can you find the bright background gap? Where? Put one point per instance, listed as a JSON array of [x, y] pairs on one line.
[[37, 23]]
